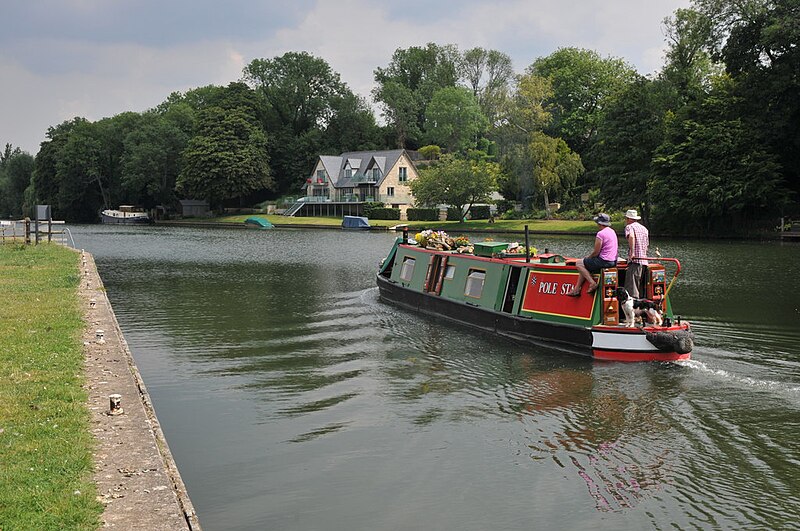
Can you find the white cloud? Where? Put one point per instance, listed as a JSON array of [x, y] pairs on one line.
[[46, 82]]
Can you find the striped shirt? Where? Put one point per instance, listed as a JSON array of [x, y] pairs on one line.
[[641, 240]]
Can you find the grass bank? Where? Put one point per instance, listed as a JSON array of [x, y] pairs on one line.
[[500, 225], [45, 440]]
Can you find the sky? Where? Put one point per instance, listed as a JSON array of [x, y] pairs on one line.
[[97, 58]]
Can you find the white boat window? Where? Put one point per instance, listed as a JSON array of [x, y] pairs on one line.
[[408, 269], [450, 272], [475, 283]]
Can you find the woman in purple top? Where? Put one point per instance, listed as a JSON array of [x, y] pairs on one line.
[[604, 255]]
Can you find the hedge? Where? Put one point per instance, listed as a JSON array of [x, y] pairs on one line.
[[480, 212], [369, 206], [423, 214], [454, 214], [384, 213]]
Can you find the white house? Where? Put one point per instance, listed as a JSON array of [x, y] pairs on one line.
[[363, 176]]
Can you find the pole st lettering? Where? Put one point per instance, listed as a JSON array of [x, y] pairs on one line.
[[555, 288]]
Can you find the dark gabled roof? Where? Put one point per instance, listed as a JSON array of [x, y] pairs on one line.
[[362, 160]]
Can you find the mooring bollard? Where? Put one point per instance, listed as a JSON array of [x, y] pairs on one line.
[[99, 335], [92, 303], [115, 404]]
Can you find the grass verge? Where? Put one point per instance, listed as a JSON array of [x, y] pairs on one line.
[[501, 225], [45, 441]]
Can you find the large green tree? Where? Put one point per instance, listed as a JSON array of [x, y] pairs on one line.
[[16, 170], [628, 136], [759, 42], [556, 167], [301, 95], [583, 82], [689, 65], [457, 182], [84, 185], [151, 160], [407, 85], [489, 74], [226, 159], [454, 119], [712, 175]]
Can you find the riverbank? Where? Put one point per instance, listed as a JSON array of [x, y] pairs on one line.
[[505, 226], [68, 463]]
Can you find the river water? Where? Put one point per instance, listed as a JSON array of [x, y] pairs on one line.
[[293, 399]]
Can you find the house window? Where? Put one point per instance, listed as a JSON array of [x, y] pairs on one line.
[[475, 283], [450, 272], [390, 191], [408, 269], [348, 173], [376, 173], [403, 174]]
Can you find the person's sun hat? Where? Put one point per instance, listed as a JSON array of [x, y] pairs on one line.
[[632, 214], [602, 219]]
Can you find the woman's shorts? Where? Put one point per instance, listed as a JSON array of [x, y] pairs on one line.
[[594, 264]]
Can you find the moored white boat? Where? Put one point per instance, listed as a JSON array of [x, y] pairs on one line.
[[126, 214]]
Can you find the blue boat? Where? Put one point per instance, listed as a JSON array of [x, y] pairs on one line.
[[259, 222], [355, 222]]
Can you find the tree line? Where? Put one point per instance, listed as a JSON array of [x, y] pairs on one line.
[[710, 144]]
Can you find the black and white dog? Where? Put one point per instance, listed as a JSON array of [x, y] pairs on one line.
[[632, 307]]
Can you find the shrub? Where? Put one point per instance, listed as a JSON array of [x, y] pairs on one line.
[[369, 206], [504, 205], [454, 214], [384, 213], [431, 152], [423, 214], [480, 212]]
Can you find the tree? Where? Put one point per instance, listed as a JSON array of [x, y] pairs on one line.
[[45, 175], [83, 186], [523, 114], [454, 119], [16, 169], [300, 93], [227, 158], [456, 182], [407, 85], [689, 66], [627, 139], [555, 167], [582, 84], [352, 126], [151, 162], [489, 74], [712, 175]]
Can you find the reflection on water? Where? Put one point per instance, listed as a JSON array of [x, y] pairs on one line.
[[292, 399]]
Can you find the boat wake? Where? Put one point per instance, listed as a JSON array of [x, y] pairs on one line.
[[755, 383]]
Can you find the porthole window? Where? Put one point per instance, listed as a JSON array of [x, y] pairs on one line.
[[407, 270], [475, 284]]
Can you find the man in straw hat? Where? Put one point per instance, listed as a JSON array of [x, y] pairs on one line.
[[638, 240]]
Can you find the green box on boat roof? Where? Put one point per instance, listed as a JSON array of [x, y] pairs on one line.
[[489, 248]]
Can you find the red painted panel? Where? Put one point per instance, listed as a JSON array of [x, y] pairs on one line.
[[623, 355], [546, 293]]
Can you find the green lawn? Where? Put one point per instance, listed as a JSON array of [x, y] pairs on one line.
[[45, 440], [510, 225]]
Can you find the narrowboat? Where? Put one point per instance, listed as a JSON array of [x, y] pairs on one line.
[[523, 296], [127, 214]]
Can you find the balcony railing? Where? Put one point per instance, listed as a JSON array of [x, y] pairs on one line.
[[364, 178]]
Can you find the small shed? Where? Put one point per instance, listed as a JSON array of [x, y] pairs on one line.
[[193, 208]]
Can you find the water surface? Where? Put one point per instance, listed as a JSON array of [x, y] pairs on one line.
[[292, 399]]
